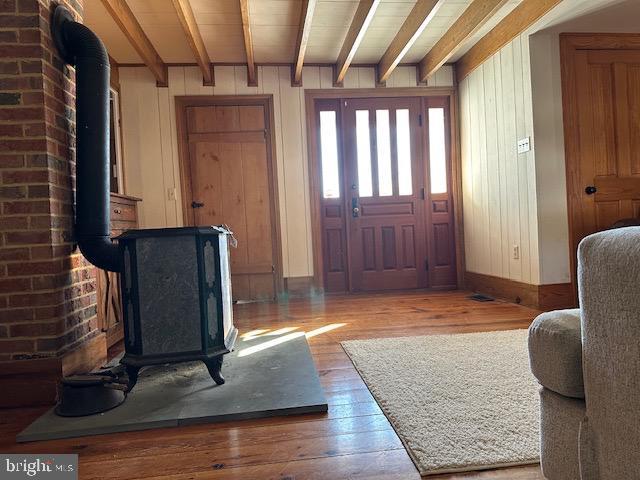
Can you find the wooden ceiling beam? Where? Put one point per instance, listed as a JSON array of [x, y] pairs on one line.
[[521, 18], [476, 15], [361, 21], [124, 18], [252, 71], [191, 30], [421, 14], [306, 17]]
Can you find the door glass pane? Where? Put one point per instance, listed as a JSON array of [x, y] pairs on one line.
[[363, 145], [329, 154], [437, 151], [383, 144], [403, 135]]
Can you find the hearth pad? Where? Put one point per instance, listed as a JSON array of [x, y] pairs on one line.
[[265, 378]]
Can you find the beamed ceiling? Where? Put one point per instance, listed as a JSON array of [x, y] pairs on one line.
[[385, 33]]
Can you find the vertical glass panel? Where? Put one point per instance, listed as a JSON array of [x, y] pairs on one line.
[[403, 136], [329, 153], [437, 151], [364, 153], [383, 141]]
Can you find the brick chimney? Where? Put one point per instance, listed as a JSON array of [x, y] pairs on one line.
[[48, 324]]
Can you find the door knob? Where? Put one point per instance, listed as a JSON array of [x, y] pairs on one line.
[[356, 211], [590, 190], [197, 204]]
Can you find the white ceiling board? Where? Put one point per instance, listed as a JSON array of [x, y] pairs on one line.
[[160, 23], [444, 18], [331, 22], [224, 43], [274, 44], [220, 24], [98, 19], [215, 6], [388, 19], [274, 28]]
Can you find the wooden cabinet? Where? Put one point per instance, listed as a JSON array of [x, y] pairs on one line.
[[124, 216]]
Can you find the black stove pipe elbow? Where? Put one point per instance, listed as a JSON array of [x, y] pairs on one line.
[[80, 47]]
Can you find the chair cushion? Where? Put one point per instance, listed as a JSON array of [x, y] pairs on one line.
[[555, 352]]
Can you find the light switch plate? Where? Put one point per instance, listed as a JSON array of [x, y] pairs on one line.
[[524, 145]]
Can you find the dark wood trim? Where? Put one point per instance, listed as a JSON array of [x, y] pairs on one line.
[[88, 356], [300, 286], [314, 164], [33, 382], [516, 22], [114, 77], [266, 101], [543, 297], [456, 189], [569, 44]]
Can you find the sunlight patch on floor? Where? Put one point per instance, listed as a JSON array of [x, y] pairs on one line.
[[287, 335]]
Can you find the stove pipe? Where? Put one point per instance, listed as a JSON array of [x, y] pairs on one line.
[[80, 47]]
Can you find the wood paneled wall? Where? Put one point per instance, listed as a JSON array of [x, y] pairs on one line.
[[151, 152], [499, 185]]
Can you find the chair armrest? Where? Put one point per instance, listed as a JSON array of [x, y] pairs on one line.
[[555, 352]]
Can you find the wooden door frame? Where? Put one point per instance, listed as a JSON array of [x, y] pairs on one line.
[[570, 43], [265, 101], [314, 163]]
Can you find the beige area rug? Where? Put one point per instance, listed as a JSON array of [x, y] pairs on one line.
[[458, 402]]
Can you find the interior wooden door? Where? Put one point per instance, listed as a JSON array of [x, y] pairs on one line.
[[384, 189], [228, 148], [603, 127]]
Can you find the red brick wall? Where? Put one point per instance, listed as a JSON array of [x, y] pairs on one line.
[[47, 289]]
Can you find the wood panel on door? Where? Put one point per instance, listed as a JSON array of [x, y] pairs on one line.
[[440, 227], [602, 126], [384, 190], [228, 158]]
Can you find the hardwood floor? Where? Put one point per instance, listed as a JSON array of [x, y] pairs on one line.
[[353, 440]]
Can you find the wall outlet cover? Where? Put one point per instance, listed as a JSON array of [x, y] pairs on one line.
[[524, 145]]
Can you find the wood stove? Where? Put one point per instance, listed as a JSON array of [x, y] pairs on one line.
[[176, 297]]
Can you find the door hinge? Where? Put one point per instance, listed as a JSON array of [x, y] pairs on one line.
[[420, 119], [426, 264], [422, 193]]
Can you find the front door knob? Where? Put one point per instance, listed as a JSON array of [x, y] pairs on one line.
[[590, 190]]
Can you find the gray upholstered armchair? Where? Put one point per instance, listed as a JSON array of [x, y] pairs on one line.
[[588, 363]]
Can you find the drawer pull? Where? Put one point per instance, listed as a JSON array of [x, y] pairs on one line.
[[117, 211]]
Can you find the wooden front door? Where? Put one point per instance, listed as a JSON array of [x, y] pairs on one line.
[[383, 189], [384, 193], [230, 183], [601, 87]]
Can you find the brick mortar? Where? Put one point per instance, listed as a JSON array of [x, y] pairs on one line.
[[34, 94]]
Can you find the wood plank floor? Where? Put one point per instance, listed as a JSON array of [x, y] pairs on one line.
[[353, 440]]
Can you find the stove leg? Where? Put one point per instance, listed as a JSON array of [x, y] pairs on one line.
[[214, 365], [132, 374]]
